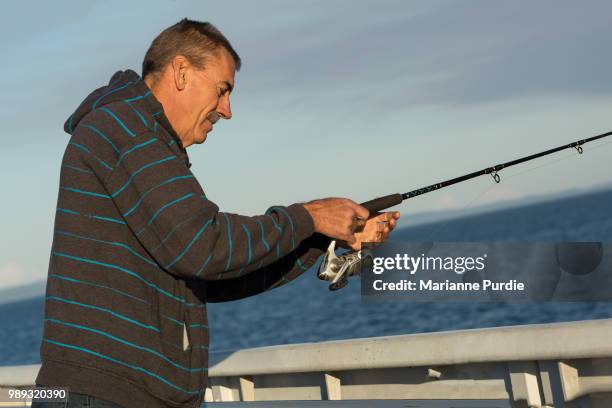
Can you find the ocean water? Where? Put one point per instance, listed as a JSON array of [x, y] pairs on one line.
[[305, 310]]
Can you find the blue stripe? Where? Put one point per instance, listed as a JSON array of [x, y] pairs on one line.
[[155, 127], [123, 363], [119, 268], [136, 98], [103, 136], [282, 210], [165, 159], [144, 122], [69, 279], [91, 193], [204, 265], [177, 226], [97, 217], [102, 162], [178, 323], [229, 240], [65, 210], [198, 305], [110, 92], [131, 149], [248, 234], [278, 227], [116, 221], [118, 244], [173, 179], [197, 235], [157, 113], [299, 262], [198, 325], [80, 146], [77, 169], [102, 309], [128, 131], [127, 343], [86, 150], [163, 207], [263, 237]]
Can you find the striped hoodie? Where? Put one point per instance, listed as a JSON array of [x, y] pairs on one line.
[[138, 249]]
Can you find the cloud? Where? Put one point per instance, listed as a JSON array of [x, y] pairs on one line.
[[449, 53], [14, 274]]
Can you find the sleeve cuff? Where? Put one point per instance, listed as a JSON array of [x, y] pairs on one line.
[[304, 225]]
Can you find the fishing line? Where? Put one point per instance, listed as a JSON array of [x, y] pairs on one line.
[[443, 227], [595, 149], [337, 268]]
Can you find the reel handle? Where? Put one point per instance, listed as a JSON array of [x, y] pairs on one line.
[[382, 203]]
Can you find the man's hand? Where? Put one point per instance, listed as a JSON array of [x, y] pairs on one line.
[[337, 218], [376, 229]]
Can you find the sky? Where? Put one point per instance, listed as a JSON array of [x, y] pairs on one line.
[[346, 98]]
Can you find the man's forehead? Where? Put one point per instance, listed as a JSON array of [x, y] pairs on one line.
[[226, 68]]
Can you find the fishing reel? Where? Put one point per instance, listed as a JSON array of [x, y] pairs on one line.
[[338, 269]]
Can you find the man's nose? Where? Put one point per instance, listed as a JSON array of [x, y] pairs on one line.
[[223, 109]]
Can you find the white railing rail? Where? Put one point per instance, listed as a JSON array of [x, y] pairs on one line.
[[544, 365]]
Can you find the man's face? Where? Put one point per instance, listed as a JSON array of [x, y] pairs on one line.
[[205, 98]]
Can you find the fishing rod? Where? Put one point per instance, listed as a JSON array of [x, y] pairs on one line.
[[338, 268], [382, 203]]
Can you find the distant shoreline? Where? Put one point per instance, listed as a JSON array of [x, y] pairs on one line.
[[413, 223], [22, 292]]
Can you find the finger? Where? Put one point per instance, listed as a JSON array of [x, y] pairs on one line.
[[361, 212], [350, 238], [396, 215], [385, 233], [375, 215]]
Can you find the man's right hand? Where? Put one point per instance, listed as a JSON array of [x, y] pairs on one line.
[[337, 218]]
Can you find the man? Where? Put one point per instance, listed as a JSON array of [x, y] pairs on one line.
[[138, 247]]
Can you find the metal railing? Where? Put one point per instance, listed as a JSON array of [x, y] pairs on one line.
[[559, 365]]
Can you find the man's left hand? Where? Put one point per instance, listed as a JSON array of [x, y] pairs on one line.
[[375, 229]]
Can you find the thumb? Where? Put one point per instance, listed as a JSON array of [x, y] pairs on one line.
[[351, 239]]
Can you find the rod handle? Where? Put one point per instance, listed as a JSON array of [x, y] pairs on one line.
[[382, 203]]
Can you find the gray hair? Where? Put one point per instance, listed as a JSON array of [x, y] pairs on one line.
[[195, 40]]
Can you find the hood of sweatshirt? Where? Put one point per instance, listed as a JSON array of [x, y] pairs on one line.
[[124, 85]]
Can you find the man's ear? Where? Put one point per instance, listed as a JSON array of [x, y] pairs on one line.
[[180, 68]]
